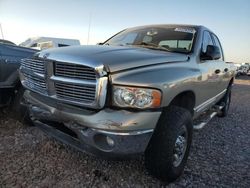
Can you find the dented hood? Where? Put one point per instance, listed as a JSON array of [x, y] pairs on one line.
[[114, 58]]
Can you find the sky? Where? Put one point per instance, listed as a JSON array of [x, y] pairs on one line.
[[229, 19]]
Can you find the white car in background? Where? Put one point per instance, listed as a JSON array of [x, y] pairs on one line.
[[248, 73], [243, 70], [41, 43]]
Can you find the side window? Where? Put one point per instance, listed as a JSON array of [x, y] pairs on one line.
[[217, 43], [207, 40]]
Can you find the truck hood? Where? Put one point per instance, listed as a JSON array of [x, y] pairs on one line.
[[114, 58]]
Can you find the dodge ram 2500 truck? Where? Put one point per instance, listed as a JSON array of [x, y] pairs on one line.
[[144, 90]]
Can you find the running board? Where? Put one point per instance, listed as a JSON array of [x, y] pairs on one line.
[[211, 116]]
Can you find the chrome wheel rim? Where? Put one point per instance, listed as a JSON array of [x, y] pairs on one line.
[[180, 146]]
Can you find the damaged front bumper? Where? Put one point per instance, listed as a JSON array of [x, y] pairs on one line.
[[108, 133]]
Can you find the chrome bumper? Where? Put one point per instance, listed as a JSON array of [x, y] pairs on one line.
[[107, 132]]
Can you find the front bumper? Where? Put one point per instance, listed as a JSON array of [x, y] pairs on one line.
[[108, 133]]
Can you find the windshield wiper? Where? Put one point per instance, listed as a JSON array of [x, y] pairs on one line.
[[152, 46], [148, 44]]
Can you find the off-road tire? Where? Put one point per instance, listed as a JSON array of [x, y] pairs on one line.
[[226, 100], [159, 159], [20, 111]]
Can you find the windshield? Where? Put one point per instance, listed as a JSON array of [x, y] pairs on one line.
[[176, 39]]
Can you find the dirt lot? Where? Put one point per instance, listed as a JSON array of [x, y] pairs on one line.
[[220, 156]]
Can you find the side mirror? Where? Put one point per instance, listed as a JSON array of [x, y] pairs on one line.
[[212, 53], [99, 43]]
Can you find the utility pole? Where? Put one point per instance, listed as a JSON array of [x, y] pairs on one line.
[[90, 18], [1, 30]]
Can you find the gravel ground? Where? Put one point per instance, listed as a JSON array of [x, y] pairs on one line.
[[220, 156]]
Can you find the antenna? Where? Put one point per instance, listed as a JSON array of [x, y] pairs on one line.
[[1, 30], [90, 18]]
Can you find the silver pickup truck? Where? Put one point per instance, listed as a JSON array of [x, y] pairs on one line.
[[144, 90]]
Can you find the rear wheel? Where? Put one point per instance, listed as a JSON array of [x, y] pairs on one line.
[[168, 150], [226, 100]]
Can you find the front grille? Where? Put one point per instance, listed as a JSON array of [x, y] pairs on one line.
[[35, 83], [75, 92], [71, 83], [74, 71], [34, 65]]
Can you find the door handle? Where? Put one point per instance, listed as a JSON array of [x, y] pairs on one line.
[[226, 69], [217, 71]]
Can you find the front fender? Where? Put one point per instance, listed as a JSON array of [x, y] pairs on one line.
[[170, 79]]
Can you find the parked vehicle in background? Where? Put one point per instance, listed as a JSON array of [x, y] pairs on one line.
[[243, 69], [248, 73], [10, 60], [142, 91], [41, 43], [6, 42]]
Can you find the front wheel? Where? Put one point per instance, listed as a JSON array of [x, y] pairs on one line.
[[20, 111], [168, 149]]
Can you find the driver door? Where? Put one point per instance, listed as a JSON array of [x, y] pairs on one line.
[[210, 75]]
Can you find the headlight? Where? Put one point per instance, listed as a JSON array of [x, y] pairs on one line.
[[136, 97]]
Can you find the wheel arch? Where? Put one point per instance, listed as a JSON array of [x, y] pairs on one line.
[[185, 99]]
